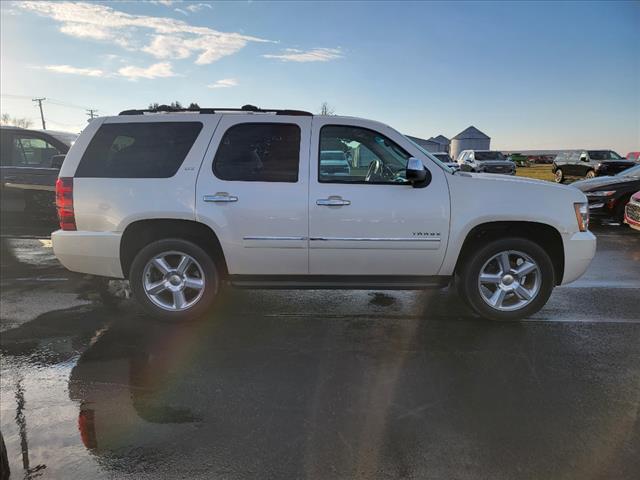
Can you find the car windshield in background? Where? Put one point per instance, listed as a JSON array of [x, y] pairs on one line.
[[66, 138], [631, 172], [337, 155], [483, 156], [603, 155], [443, 157], [430, 155]]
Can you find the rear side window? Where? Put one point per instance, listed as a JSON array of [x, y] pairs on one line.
[[259, 152], [138, 150]]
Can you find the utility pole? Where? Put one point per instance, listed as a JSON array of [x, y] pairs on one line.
[[39, 100], [91, 112]]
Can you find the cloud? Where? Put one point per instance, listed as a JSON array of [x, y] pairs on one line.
[[314, 55], [88, 72], [168, 35], [166, 3], [157, 70], [196, 7], [224, 83], [130, 72]]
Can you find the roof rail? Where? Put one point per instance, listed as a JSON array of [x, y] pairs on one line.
[[210, 111]]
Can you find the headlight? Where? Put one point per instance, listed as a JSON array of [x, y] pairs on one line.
[[582, 215], [603, 193]]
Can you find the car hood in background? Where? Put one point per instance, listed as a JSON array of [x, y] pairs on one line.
[[494, 163], [602, 182]]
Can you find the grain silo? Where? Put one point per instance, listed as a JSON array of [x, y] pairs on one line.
[[469, 139]]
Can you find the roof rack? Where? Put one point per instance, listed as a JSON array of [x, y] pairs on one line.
[[210, 111]]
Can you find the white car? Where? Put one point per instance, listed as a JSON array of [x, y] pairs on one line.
[[180, 202]]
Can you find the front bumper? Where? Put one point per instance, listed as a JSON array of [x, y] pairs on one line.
[[96, 253], [579, 250]]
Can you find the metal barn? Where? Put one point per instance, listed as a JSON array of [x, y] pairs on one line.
[[469, 139]]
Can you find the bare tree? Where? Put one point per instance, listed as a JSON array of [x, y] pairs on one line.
[[7, 119], [326, 109]]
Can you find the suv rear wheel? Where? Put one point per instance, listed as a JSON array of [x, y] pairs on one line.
[[174, 279], [507, 279]]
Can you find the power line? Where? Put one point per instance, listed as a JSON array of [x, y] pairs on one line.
[[91, 112], [39, 100]]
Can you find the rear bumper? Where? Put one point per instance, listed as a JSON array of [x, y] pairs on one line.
[[579, 250], [96, 253]]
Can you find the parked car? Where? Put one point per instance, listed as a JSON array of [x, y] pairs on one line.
[[180, 202], [29, 165], [588, 164], [608, 195], [334, 162], [446, 160], [632, 212], [485, 161], [633, 156]]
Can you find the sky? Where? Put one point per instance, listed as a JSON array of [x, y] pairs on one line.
[[539, 75]]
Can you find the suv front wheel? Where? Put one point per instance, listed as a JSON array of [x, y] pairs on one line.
[[174, 279], [507, 279]]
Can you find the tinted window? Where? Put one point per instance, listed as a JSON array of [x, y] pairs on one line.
[[138, 150], [32, 152], [603, 155], [259, 152], [368, 156]]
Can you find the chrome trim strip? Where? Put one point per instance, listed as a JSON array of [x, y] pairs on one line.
[[373, 239], [272, 238]]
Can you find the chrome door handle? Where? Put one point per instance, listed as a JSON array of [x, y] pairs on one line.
[[220, 198], [332, 202]]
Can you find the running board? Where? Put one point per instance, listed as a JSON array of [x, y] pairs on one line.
[[352, 282]]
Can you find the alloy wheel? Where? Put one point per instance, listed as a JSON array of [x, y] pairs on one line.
[[509, 280], [174, 281]]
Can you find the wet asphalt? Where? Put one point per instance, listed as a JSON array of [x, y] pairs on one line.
[[319, 384]]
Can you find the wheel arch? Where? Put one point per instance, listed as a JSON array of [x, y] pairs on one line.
[[545, 235], [140, 233]]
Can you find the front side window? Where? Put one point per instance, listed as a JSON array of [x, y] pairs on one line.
[[138, 150], [259, 152], [33, 152], [359, 155]]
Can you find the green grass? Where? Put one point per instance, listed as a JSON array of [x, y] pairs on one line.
[[540, 172]]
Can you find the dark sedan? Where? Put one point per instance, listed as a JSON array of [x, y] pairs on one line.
[[29, 164], [609, 195]]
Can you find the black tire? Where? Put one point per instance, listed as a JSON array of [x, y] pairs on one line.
[[206, 264], [468, 274], [559, 175], [618, 212]]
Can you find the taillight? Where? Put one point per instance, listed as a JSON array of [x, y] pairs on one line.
[[64, 203]]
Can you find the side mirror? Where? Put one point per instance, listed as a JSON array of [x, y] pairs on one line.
[[56, 161], [416, 174]]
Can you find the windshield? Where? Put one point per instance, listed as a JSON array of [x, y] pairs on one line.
[[483, 156], [66, 138], [430, 155], [631, 172], [337, 155], [603, 155], [443, 157]]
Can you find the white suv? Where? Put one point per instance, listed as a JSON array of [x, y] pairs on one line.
[[179, 202]]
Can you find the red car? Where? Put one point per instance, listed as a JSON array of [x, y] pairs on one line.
[[632, 212], [635, 156]]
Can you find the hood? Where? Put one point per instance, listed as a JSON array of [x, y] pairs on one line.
[[496, 163], [601, 182]]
